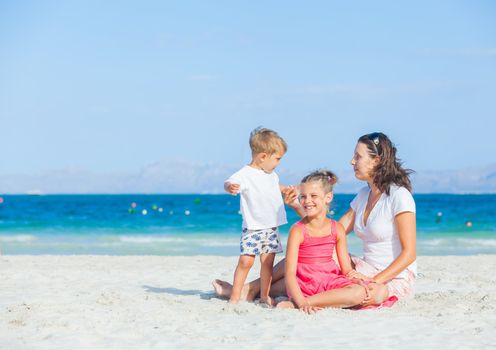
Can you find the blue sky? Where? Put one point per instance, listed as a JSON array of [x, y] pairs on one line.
[[113, 86]]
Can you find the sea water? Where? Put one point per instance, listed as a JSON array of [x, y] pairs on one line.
[[209, 224]]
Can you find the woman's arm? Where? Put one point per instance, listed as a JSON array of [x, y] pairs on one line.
[[342, 250], [407, 233], [348, 220], [295, 238]]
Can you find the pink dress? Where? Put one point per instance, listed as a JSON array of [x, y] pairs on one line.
[[316, 272]]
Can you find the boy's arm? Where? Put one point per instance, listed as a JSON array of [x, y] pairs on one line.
[[342, 250], [231, 188], [294, 240], [290, 194], [233, 184]]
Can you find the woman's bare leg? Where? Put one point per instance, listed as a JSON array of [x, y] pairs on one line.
[[250, 290], [278, 288]]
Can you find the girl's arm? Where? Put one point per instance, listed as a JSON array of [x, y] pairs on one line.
[[342, 250], [407, 233], [295, 238], [348, 220]]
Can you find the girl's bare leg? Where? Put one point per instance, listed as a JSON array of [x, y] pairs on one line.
[[348, 296], [250, 290], [287, 304]]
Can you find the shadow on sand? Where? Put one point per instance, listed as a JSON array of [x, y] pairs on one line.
[[176, 291]]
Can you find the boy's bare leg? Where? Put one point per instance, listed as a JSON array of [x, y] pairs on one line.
[[266, 265], [250, 290], [245, 263]]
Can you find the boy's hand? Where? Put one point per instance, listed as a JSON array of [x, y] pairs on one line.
[[232, 188], [290, 196]]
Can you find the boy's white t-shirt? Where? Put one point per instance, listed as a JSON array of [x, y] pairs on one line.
[[381, 244], [261, 200]]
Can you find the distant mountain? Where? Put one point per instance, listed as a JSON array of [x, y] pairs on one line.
[[189, 177], [467, 180]]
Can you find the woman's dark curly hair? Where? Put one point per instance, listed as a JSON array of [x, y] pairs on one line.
[[389, 170]]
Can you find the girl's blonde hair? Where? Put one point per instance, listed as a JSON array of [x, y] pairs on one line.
[[326, 178]]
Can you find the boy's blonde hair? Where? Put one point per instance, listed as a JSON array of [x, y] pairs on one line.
[[263, 140]]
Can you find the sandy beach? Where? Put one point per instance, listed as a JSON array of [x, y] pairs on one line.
[[152, 302]]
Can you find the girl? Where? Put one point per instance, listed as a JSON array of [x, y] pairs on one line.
[[313, 279]]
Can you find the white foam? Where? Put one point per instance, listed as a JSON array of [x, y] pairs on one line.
[[478, 242], [206, 242], [456, 242], [151, 239], [217, 243], [433, 242], [17, 238]]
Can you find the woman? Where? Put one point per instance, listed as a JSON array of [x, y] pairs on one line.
[[382, 215]]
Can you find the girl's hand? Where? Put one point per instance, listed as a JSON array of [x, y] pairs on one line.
[[309, 310], [291, 196]]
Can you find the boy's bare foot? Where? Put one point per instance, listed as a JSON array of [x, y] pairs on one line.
[[223, 290], [286, 305]]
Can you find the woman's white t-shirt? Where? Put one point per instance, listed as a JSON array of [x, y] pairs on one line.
[[262, 206], [381, 244]]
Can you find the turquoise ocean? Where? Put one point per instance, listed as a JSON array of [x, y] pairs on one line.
[[209, 224]]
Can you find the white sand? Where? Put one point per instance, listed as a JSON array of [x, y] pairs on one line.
[[101, 302]]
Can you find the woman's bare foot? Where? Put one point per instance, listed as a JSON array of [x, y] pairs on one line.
[[286, 305], [223, 290]]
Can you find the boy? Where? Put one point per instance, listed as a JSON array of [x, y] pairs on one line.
[[262, 208]]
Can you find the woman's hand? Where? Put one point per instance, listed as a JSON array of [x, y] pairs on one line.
[[365, 284], [358, 275]]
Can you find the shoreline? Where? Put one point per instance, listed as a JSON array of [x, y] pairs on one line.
[[149, 302]]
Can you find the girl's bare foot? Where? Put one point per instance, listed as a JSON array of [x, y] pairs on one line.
[[223, 290], [268, 301], [286, 305]]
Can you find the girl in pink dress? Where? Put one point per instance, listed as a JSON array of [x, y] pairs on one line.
[[313, 279]]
